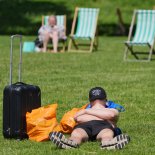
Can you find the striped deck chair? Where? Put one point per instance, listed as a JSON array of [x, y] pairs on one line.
[[144, 34], [85, 21], [61, 21]]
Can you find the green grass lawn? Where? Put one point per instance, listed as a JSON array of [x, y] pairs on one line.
[[66, 78]]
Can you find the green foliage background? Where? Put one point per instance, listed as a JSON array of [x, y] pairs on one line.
[[24, 16]]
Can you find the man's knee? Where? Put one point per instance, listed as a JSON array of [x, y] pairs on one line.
[[105, 134], [79, 133], [76, 133], [46, 36], [55, 34]]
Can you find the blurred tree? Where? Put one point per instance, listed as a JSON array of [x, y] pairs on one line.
[[121, 26]]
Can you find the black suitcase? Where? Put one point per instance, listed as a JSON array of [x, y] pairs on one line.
[[18, 98]]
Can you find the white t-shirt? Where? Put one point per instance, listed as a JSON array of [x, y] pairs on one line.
[[59, 29]]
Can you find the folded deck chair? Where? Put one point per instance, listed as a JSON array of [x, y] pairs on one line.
[[85, 22], [144, 34], [61, 21]]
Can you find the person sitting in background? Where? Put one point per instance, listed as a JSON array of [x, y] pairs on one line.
[[97, 122], [53, 32]]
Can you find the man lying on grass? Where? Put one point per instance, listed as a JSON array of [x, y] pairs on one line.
[[96, 122]]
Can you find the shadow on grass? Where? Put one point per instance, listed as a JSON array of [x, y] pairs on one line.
[[112, 29], [23, 16], [18, 16]]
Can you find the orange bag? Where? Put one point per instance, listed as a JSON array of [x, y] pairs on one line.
[[40, 122], [67, 122]]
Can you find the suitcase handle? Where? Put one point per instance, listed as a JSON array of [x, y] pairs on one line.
[[20, 58], [20, 83]]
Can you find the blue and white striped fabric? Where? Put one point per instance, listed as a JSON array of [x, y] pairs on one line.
[[145, 28], [86, 25], [46, 20], [60, 20]]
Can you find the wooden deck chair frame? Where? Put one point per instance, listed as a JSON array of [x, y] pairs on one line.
[[63, 41], [93, 41], [130, 48]]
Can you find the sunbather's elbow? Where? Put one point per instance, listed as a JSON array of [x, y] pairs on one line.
[[113, 115]]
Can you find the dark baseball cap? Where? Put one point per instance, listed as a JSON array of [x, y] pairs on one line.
[[97, 93]]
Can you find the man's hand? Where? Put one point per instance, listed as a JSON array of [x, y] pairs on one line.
[[83, 116], [79, 113]]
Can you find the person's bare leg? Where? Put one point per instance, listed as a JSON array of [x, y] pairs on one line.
[[105, 136], [108, 141], [46, 40], [78, 136], [55, 41]]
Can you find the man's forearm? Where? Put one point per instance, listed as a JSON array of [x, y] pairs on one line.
[[105, 114], [85, 118]]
